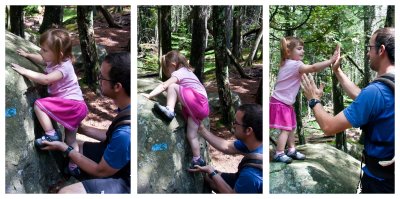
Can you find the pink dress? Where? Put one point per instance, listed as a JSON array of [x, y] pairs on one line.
[[281, 114], [193, 95], [65, 104]]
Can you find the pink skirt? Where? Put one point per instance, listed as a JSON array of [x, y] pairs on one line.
[[281, 115], [194, 104], [68, 113]]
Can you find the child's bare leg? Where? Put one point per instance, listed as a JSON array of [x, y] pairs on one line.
[[192, 128], [291, 140], [70, 139], [282, 139], [44, 119], [172, 96]]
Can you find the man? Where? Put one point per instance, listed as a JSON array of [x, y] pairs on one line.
[[107, 162], [248, 131], [372, 110]]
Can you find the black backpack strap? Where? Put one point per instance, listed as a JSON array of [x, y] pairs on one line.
[[387, 79], [123, 118], [252, 160]]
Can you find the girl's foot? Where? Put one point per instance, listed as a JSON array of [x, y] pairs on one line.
[[199, 162], [165, 111], [50, 138], [282, 157], [296, 155]]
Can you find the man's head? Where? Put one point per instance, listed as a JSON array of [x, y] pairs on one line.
[[381, 46], [248, 119], [115, 74]]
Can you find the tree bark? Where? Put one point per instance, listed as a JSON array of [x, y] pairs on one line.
[[237, 65], [108, 17], [369, 15], [253, 51], [389, 22], [199, 38], [259, 94], [236, 35], [17, 20], [87, 42], [53, 16], [164, 24], [221, 71]]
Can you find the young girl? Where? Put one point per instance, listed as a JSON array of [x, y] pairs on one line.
[[282, 115], [65, 103], [183, 85]]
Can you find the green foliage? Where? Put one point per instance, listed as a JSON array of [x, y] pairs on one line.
[[31, 10], [69, 15]]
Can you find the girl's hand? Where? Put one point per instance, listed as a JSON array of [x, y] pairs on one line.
[[22, 53], [21, 70], [335, 55], [146, 95], [336, 65]]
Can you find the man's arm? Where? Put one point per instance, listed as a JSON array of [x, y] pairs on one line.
[[348, 86], [101, 169], [217, 142], [329, 124], [95, 133]]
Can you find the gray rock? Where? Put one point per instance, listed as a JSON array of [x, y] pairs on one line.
[[325, 170], [27, 170], [164, 155], [76, 51], [213, 99]]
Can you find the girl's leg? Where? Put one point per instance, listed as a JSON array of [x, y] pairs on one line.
[[292, 152], [44, 119], [192, 128], [172, 96], [291, 140], [70, 139], [282, 140]]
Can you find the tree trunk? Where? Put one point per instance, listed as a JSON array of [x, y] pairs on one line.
[[369, 15], [8, 23], [389, 22], [236, 35], [88, 45], [337, 98], [108, 17], [259, 94], [253, 51], [17, 20], [298, 108], [164, 34], [53, 16], [199, 37], [237, 65], [222, 75]]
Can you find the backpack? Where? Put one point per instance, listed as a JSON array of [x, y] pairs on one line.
[[372, 163], [251, 160], [123, 118]]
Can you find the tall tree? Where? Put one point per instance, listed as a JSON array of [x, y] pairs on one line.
[[17, 20], [237, 29], [53, 16], [199, 39], [164, 29], [253, 51], [369, 16], [87, 42], [108, 17], [219, 15], [389, 22]]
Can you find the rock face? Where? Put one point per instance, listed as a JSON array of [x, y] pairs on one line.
[[164, 154], [325, 170], [27, 170]]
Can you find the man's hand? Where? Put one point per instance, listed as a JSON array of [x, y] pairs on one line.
[[146, 95], [54, 145], [21, 70], [335, 55], [205, 169], [336, 63], [310, 89]]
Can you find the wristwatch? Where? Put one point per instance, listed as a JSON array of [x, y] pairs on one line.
[[212, 174], [67, 151], [313, 102]]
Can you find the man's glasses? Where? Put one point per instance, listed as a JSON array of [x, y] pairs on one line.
[[237, 123], [100, 77], [369, 47]]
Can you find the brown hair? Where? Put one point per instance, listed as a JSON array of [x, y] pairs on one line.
[[58, 41], [385, 36], [288, 44], [174, 57]]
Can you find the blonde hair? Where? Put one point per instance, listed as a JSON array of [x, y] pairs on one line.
[[288, 44], [60, 44], [174, 57]]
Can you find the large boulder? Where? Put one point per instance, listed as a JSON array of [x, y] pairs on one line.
[[164, 154], [27, 170], [325, 170]]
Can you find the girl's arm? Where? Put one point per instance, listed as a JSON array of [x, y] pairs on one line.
[[39, 78], [161, 87], [320, 65], [36, 58]]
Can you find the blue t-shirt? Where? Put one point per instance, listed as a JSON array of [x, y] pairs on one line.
[[374, 106], [118, 151], [250, 179]]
